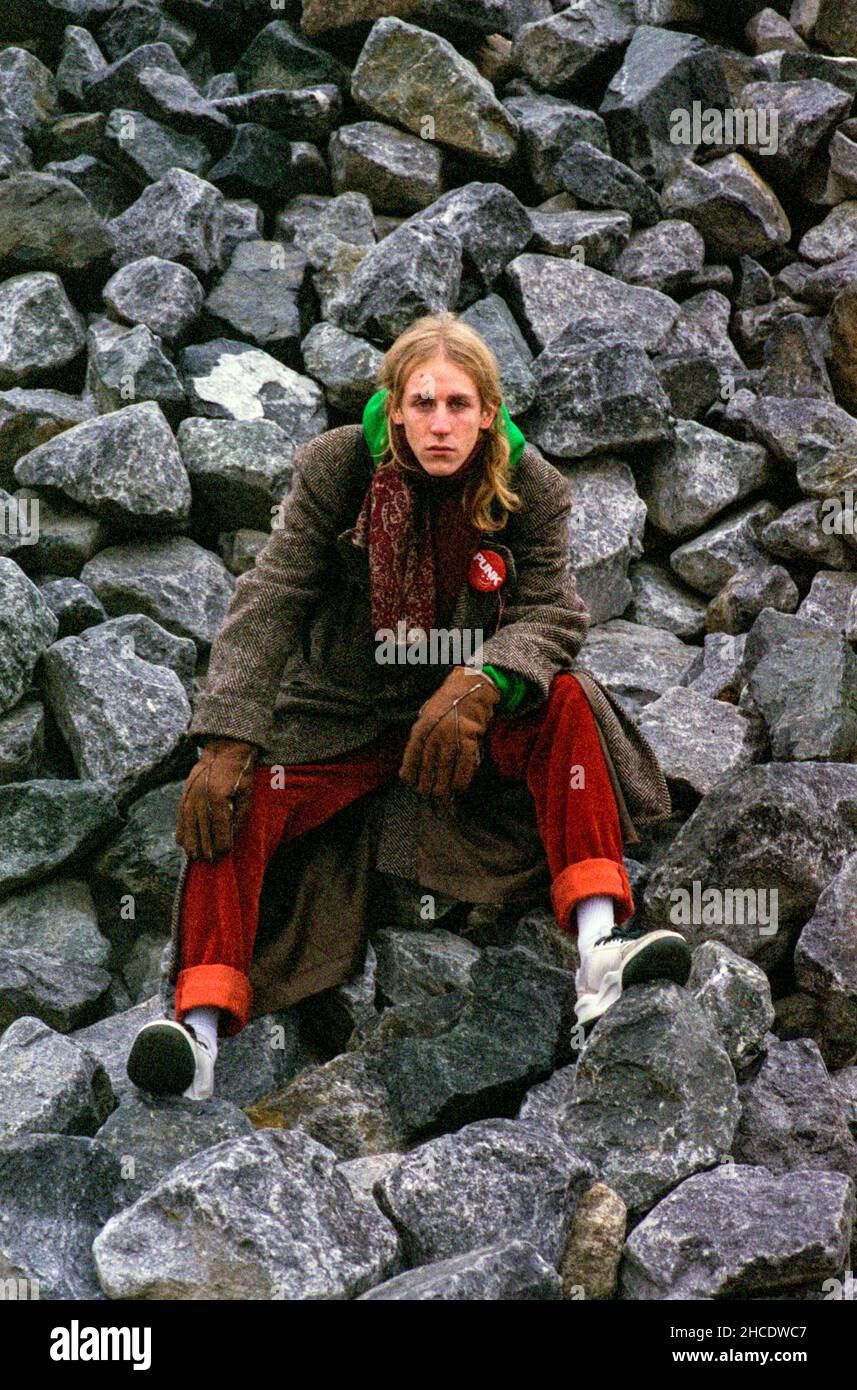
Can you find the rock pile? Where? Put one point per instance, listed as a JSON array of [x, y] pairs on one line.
[[215, 215]]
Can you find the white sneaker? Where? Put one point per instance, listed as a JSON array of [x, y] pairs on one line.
[[627, 958], [169, 1059]]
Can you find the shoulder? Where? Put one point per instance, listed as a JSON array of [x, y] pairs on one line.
[[542, 488], [331, 453]]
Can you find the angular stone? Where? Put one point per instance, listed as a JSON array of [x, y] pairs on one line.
[[146, 150], [63, 994], [604, 182], [123, 718], [404, 74], [109, 192], [176, 582], [347, 367], [547, 126], [554, 296], [159, 1133], [56, 1193], [75, 606], [746, 593], [826, 965], [736, 996], [817, 437], [262, 164], [829, 599], [341, 1103], [716, 669], [163, 295], [647, 1123], [56, 918], [264, 297], [792, 1115], [27, 628], [658, 601], [661, 72], [415, 270], [806, 111], [606, 532], [590, 1261], [579, 44], [67, 537], [124, 465], [739, 1232], [710, 559], [28, 90], [48, 224], [134, 366], [179, 218], [490, 1179], [22, 744], [589, 238], [307, 113], [802, 676], [664, 257], [414, 965], [794, 363], [136, 22], [240, 469], [489, 221], [280, 57], [117, 84], [170, 97], [833, 238], [229, 380], [691, 480], [330, 1246], [507, 1269], [637, 664], [493, 319], [777, 829], [49, 1084], [733, 208], [400, 173], [698, 740]]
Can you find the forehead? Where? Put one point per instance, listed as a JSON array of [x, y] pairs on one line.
[[439, 377]]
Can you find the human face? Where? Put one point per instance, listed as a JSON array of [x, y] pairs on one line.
[[441, 415]]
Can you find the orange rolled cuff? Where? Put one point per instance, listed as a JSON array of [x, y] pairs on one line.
[[215, 986], [583, 880]]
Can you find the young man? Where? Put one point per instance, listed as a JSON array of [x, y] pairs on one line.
[[450, 473]]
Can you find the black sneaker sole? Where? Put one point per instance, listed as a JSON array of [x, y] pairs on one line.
[[663, 960], [161, 1061]]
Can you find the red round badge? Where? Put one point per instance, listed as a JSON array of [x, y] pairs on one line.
[[487, 570]]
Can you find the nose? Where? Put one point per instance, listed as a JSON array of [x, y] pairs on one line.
[[440, 421]]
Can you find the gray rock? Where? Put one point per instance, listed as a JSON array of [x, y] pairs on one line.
[[803, 532], [637, 664], [262, 164], [699, 740], [341, 1103], [596, 396], [415, 270], [108, 191], [56, 1193], [738, 1232], [125, 465], [75, 605], [28, 418], [163, 295], [493, 1179], [27, 628], [833, 238], [825, 964], [746, 593], [654, 1096], [589, 238], [658, 601], [845, 1082], [661, 71], [604, 182], [179, 218], [817, 437], [81, 58], [555, 296], [606, 532], [404, 73], [794, 362], [492, 318], [151, 1137], [328, 1244], [134, 368], [229, 380], [400, 173], [22, 742], [664, 257], [281, 57], [414, 965], [736, 996], [48, 224], [346, 366], [118, 85], [699, 474], [806, 110], [49, 1084], [56, 918], [489, 221], [28, 90], [64, 994], [547, 126], [123, 718], [829, 599], [792, 1115], [507, 1269], [143, 861], [732, 206], [579, 44], [182, 586], [748, 866], [263, 297], [710, 559], [171, 97], [305, 113], [137, 22], [146, 150], [802, 676], [40, 329]]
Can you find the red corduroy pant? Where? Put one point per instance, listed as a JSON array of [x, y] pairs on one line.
[[555, 747]]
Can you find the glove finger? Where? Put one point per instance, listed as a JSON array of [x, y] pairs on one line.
[[203, 828], [445, 768], [413, 757], [425, 781], [465, 768]]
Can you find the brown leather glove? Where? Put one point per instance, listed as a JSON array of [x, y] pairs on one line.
[[216, 798], [443, 750]]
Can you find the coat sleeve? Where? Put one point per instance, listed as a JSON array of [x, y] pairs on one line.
[[264, 620], [545, 625]]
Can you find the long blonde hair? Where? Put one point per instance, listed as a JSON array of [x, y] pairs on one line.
[[446, 334]]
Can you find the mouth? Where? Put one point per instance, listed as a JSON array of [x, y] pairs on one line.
[[433, 450]]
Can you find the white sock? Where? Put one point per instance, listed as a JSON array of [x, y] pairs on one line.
[[204, 1020], [594, 919]]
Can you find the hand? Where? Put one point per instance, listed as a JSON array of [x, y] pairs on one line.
[[216, 798], [443, 750]]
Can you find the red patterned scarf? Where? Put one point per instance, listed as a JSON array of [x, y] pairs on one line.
[[420, 544]]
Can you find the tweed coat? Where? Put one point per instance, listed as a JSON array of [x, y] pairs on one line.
[[293, 669]]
